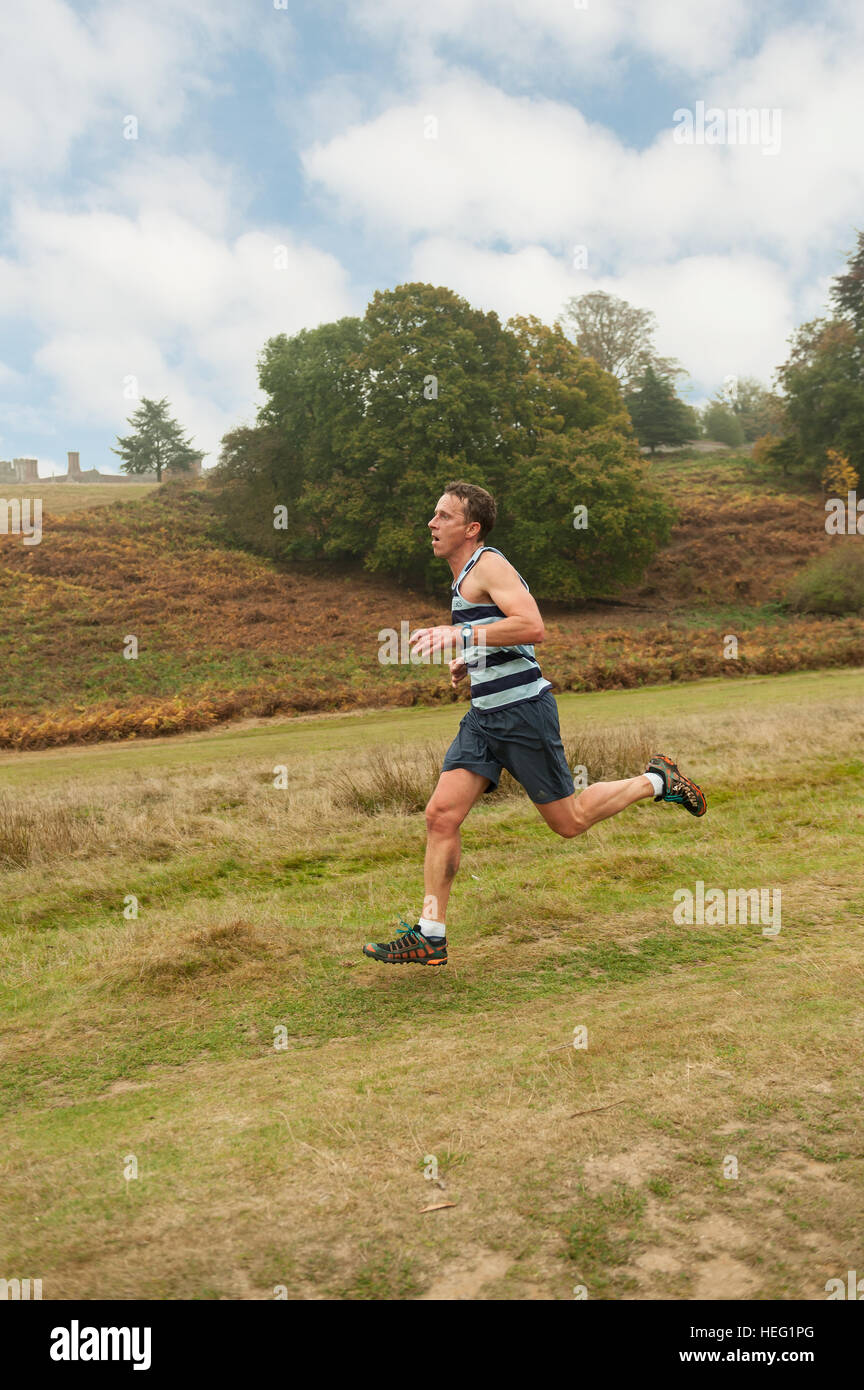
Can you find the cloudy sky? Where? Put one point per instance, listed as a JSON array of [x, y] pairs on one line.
[[293, 157]]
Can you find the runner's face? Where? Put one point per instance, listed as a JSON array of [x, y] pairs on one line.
[[448, 526]]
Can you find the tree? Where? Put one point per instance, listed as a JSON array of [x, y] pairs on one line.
[[839, 477], [372, 411], [847, 292], [574, 449], [759, 410], [255, 474], [721, 423], [823, 382], [658, 416], [598, 550], [367, 419], [157, 443], [618, 336]]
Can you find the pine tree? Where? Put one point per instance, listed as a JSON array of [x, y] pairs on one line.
[[157, 443], [658, 416], [847, 291]]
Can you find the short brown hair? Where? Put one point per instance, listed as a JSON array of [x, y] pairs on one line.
[[479, 505]]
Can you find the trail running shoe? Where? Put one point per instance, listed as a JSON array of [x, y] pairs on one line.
[[411, 947], [677, 788]]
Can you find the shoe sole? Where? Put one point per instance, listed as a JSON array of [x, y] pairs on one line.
[[382, 960]]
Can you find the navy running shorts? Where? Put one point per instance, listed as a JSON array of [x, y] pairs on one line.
[[525, 738]]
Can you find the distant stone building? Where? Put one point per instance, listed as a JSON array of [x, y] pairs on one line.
[[27, 471], [77, 474], [19, 471]]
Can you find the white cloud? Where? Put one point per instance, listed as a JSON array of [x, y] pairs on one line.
[[528, 33], [69, 73], [728, 293], [519, 170], [729, 245], [497, 167], [201, 190], [719, 315], [183, 310], [530, 281]]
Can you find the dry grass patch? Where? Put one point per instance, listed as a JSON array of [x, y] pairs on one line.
[[403, 780], [232, 948]]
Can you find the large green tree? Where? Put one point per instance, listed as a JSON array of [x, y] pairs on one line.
[[367, 419], [577, 509], [157, 442], [847, 290]]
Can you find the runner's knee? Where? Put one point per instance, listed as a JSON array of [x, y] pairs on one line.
[[577, 825], [442, 819]]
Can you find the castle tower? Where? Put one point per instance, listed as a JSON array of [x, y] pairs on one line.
[[74, 470], [27, 470]]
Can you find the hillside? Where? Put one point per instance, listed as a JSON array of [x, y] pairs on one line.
[[223, 634], [739, 537]]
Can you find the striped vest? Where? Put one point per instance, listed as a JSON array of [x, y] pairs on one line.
[[509, 675]]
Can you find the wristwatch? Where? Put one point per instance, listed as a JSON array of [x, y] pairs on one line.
[[467, 631]]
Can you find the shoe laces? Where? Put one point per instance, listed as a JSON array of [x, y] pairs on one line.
[[405, 930]]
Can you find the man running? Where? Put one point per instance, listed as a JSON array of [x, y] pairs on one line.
[[512, 721]]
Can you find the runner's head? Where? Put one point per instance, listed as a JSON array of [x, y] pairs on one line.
[[464, 512]]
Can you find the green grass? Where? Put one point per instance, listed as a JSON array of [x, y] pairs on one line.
[[303, 1165]]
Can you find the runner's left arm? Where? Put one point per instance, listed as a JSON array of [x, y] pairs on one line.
[[522, 626]]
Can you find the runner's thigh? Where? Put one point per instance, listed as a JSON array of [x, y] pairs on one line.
[[456, 793]]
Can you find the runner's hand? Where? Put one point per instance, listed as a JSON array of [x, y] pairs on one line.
[[426, 641], [458, 671]]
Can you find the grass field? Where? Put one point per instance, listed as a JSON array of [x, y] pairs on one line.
[[304, 1165], [63, 499]]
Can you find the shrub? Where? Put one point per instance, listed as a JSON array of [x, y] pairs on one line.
[[839, 476], [776, 453], [722, 424], [834, 583]]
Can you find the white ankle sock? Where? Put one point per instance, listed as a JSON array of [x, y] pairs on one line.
[[656, 781], [430, 928]]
